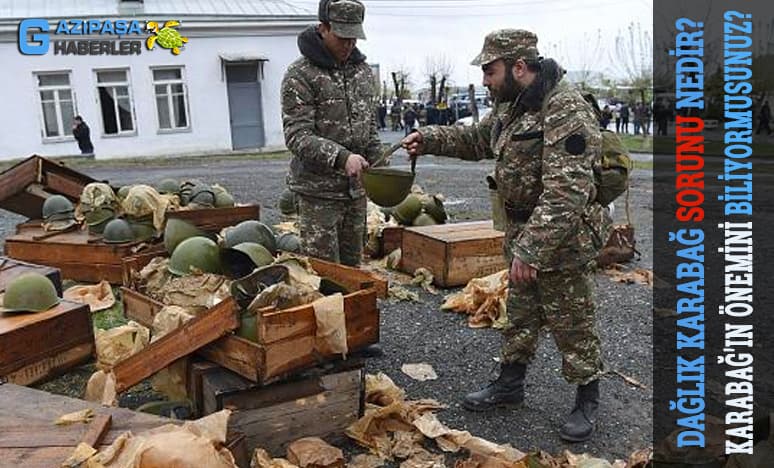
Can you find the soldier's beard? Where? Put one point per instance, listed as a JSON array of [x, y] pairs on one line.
[[509, 90]]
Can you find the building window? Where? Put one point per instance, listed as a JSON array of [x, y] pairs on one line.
[[57, 103], [171, 99], [115, 100]]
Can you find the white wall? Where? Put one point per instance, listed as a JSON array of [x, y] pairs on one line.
[[20, 120]]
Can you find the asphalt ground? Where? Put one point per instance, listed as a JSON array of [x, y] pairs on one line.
[[464, 358]]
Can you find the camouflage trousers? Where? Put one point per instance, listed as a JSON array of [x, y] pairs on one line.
[[332, 230], [562, 301]]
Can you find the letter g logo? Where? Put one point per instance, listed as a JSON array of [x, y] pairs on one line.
[[39, 41]]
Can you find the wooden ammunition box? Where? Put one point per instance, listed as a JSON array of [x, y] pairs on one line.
[[37, 346], [319, 403], [454, 253], [285, 343], [10, 269]]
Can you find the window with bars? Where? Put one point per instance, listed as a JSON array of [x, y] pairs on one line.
[[115, 100], [171, 98], [57, 103]]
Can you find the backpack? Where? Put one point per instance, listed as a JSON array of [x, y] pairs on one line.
[[613, 166]]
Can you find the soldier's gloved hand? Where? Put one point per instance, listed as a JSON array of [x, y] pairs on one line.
[[522, 272], [355, 165], [413, 144]]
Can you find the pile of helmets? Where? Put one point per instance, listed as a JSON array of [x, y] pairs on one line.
[[98, 206], [58, 213], [30, 292], [419, 210], [197, 194]]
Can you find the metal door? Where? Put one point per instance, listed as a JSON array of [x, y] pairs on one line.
[[244, 103]]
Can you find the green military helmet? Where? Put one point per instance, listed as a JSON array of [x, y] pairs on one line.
[[142, 230], [30, 292], [386, 186], [117, 231], [202, 195], [195, 254], [288, 203], [289, 242], [248, 325], [251, 231], [123, 192], [168, 186], [178, 230], [424, 219], [408, 209], [243, 258], [98, 218], [57, 205], [434, 207], [223, 199]]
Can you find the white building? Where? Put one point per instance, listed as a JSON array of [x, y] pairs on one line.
[[219, 94]]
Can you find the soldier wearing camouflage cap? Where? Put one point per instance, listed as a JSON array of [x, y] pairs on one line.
[[328, 119], [544, 138]]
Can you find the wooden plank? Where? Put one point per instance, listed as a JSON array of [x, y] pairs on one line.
[[215, 219], [196, 371], [64, 185], [392, 238], [420, 251], [13, 181], [51, 366], [139, 307], [198, 332], [28, 338], [353, 279], [236, 354], [98, 429]]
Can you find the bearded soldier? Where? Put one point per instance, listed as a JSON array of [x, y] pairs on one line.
[[329, 125], [545, 138]]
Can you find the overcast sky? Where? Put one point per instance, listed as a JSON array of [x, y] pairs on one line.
[[404, 33]]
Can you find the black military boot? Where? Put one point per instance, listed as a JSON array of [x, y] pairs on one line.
[[505, 392], [580, 424]]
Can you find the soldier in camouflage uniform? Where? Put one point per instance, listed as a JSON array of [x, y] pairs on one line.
[[329, 124], [544, 137]]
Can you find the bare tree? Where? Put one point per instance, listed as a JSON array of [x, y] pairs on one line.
[[582, 61], [401, 80], [438, 68], [632, 57]]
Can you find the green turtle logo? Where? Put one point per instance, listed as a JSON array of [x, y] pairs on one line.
[[167, 37]]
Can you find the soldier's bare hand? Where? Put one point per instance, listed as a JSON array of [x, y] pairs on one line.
[[522, 272], [413, 144], [355, 165]]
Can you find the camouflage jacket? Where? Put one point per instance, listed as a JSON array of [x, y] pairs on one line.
[[544, 144], [327, 114]]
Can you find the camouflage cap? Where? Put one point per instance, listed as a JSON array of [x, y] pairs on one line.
[[345, 17], [507, 43]]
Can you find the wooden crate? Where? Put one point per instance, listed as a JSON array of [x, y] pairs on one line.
[[285, 341], [29, 438], [10, 269], [36, 346], [454, 253], [392, 238], [215, 219], [77, 254], [25, 186], [321, 403]]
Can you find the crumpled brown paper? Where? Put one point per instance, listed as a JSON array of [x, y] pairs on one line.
[[484, 299], [83, 416], [171, 381], [622, 274], [284, 296], [116, 344], [300, 270], [421, 371], [144, 200], [365, 460], [402, 294], [196, 293], [314, 452], [331, 334], [424, 279], [153, 276], [169, 318], [262, 459], [97, 297], [196, 443], [382, 391], [101, 388], [81, 453]]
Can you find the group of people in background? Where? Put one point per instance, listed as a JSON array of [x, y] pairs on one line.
[[407, 116], [621, 114]]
